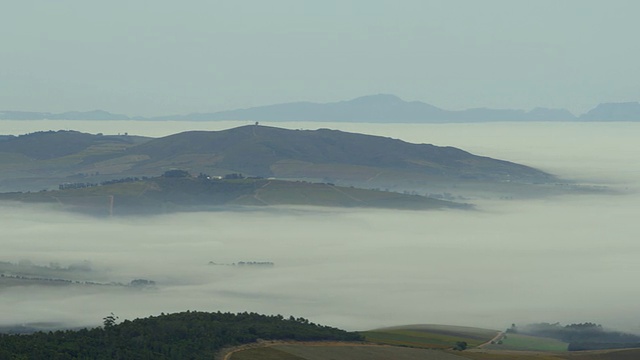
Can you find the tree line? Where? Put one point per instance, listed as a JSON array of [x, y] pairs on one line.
[[185, 335], [582, 336]]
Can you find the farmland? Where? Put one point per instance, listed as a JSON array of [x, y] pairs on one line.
[[430, 336], [527, 342], [342, 352]]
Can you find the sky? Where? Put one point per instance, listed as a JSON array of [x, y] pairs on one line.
[[167, 57]]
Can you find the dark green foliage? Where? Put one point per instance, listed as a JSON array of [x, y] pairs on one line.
[[176, 174], [109, 321], [186, 335], [166, 194], [584, 336], [460, 345]]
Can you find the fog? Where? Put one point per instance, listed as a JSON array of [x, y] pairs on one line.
[[564, 258]]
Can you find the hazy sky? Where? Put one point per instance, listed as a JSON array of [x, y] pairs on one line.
[[163, 57]]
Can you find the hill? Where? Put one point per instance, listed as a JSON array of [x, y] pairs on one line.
[[349, 159], [186, 335], [45, 159], [263, 151], [430, 336], [45, 145], [170, 194]]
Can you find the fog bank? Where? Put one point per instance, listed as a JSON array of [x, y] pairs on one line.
[[567, 259]]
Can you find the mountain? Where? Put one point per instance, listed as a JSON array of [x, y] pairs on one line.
[[374, 108], [377, 108], [47, 159], [625, 111], [381, 108]]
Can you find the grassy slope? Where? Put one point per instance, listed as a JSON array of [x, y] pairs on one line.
[[160, 194], [318, 352], [430, 336], [341, 352], [267, 151], [264, 353], [628, 354], [264, 151], [526, 342]]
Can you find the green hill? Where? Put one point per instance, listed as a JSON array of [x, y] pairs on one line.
[[169, 194], [430, 336], [267, 151], [186, 335], [45, 145], [46, 159]]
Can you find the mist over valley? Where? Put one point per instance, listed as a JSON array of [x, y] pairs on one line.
[[567, 258]]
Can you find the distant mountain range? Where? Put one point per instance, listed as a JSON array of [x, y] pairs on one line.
[[373, 108]]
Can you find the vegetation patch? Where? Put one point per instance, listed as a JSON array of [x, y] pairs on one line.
[[186, 335], [528, 342], [354, 352], [583, 336], [264, 353], [431, 336]]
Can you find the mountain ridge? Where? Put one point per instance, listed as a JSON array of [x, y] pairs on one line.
[[379, 108]]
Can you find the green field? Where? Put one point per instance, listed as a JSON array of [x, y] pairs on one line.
[[345, 352], [509, 355], [341, 352], [530, 343], [430, 336], [263, 353]]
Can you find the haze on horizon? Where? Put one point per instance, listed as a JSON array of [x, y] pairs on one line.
[[167, 57]]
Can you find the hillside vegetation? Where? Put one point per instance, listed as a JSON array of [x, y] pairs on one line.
[[186, 335], [46, 159], [430, 336], [186, 193]]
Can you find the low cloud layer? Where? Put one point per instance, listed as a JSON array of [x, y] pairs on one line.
[[567, 259]]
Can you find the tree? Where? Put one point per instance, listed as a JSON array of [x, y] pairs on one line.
[[109, 320], [460, 345], [176, 174]]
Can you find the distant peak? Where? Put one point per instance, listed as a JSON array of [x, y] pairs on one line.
[[378, 98]]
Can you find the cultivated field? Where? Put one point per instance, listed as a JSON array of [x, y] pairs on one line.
[[373, 352], [341, 352], [526, 342], [430, 336]]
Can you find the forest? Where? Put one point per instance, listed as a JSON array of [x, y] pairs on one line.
[[582, 336], [185, 335]]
